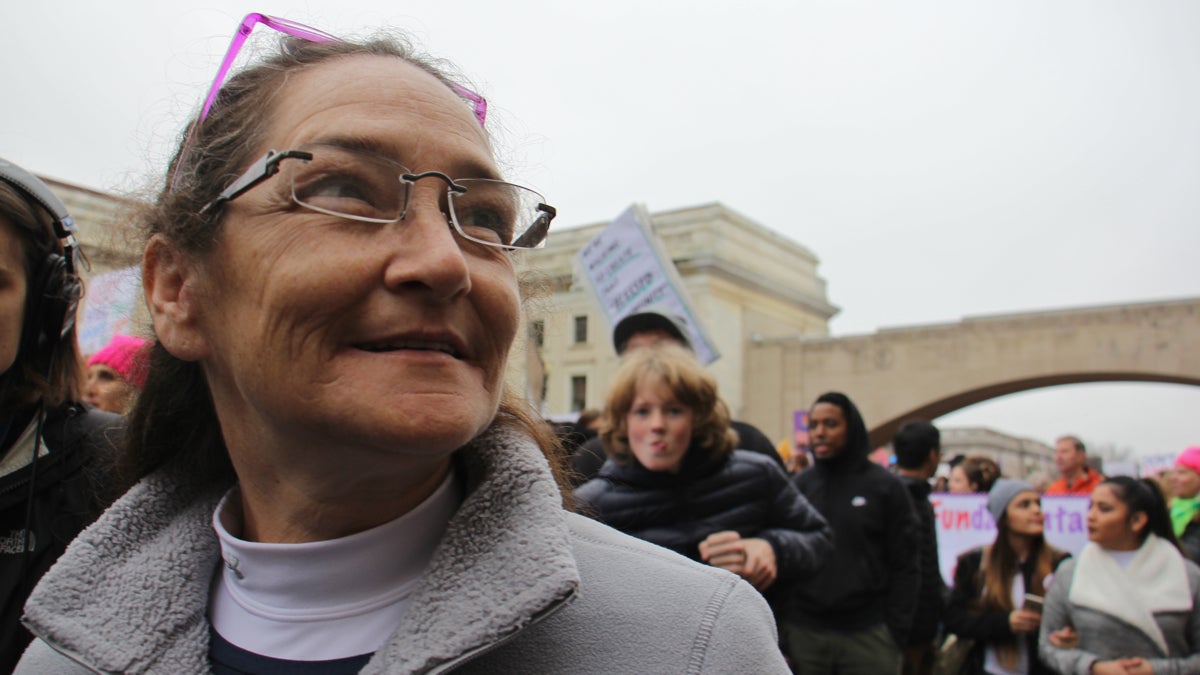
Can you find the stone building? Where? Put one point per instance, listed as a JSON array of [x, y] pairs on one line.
[[99, 218], [1017, 457], [745, 281]]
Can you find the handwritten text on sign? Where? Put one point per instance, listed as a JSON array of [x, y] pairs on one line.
[[964, 522]]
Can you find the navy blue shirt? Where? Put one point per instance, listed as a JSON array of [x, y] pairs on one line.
[[229, 659]]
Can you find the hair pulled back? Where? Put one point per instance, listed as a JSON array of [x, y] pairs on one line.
[[174, 420], [1144, 496], [981, 471]]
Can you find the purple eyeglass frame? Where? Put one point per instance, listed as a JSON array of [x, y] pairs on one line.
[[478, 103], [299, 30]]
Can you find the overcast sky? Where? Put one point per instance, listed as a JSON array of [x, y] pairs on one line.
[[942, 159]]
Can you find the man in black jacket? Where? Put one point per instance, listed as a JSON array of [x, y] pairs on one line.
[[918, 449], [854, 614]]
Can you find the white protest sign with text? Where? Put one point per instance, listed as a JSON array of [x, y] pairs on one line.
[[626, 269], [963, 522]]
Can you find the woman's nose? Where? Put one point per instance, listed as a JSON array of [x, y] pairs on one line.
[[428, 254]]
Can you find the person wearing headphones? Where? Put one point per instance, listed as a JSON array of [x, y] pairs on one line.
[[48, 439]]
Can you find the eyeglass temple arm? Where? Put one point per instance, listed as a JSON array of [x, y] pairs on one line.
[[537, 231], [264, 168]]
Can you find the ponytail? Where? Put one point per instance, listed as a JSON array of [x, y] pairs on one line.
[[1144, 496]]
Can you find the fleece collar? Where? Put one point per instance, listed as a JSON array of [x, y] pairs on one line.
[[131, 592], [1154, 581]]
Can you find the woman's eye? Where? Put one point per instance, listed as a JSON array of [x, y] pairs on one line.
[[487, 211], [486, 224], [350, 194]]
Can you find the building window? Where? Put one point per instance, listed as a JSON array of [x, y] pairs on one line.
[[537, 332], [578, 392], [581, 329]]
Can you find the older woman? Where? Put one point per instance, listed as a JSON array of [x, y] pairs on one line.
[[675, 479], [48, 438], [330, 476], [1130, 603]]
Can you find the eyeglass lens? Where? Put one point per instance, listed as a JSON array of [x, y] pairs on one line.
[[368, 188]]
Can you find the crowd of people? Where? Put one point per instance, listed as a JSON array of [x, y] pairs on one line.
[[314, 464]]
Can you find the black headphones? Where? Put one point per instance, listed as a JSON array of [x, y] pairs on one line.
[[55, 287]]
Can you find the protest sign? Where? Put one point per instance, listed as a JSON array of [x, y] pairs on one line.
[[108, 307], [626, 269], [1153, 465], [963, 522]]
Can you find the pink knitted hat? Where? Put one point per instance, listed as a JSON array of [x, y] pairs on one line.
[[126, 355], [1190, 458]]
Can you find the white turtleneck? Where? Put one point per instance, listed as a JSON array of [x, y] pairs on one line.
[[323, 600]]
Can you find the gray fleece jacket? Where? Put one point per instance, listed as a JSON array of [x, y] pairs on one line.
[[516, 585], [1104, 635]]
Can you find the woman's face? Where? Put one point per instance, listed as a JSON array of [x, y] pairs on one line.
[[1185, 482], [1108, 521], [12, 294], [106, 389], [959, 483], [1024, 514], [827, 430], [340, 343], [659, 427]]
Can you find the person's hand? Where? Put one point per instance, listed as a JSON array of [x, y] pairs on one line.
[[752, 559], [1133, 666], [1024, 621], [1064, 638], [1136, 666], [1109, 667]]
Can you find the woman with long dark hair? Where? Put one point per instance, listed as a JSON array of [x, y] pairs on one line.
[[988, 603], [1130, 603], [48, 439]]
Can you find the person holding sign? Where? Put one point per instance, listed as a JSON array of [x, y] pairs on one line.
[[675, 478], [1130, 603], [998, 588]]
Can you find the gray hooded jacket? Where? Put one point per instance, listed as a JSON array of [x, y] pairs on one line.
[[516, 585], [1104, 636]]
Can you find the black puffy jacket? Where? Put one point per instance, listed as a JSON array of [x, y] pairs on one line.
[[744, 492]]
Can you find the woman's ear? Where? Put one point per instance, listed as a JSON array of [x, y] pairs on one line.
[[1138, 521], [170, 284]]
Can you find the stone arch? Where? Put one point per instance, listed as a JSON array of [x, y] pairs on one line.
[[881, 433]]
